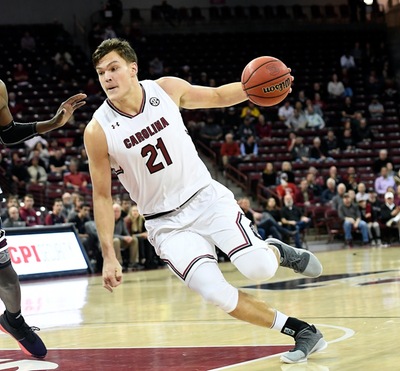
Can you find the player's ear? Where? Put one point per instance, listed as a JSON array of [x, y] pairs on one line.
[[134, 69]]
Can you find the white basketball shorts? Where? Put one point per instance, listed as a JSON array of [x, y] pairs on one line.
[[187, 237]]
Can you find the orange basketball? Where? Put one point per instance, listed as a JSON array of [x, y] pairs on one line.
[[266, 81]]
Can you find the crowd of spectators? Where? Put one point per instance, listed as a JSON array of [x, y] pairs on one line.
[[241, 131]]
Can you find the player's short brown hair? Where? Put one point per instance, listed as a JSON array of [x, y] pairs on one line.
[[120, 46]]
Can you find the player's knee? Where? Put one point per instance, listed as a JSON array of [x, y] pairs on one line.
[[214, 289], [224, 296], [257, 265]]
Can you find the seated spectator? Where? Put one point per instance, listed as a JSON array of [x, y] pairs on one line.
[[314, 120], [329, 192], [40, 150], [300, 152], [31, 144], [249, 147], [347, 61], [369, 216], [269, 175], [251, 111], [37, 173], [27, 213], [374, 85], [87, 234], [74, 179], [286, 167], [246, 129], [314, 182], [285, 111], [317, 89], [347, 141], [19, 174], [319, 104], [337, 200], [263, 128], [376, 109], [67, 205], [126, 205], [285, 187], [297, 120], [77, 201], [57, 163], [335, 87], [334, 174], [269, 227], [351, 183], [273, 209], [363, 132], [55, 216], [292, 218], [315, 107], [146, 256], [301, 98], [383, 182], [211, 130], [330, 143], [304, 196], [348, 109], [382, 160], [317, 151], [390, 213], [13, 219], [350, 214], [375, 203], [230, 120], [83, 161], [230, 150], [122, 239], [362, 193], [12, 200]]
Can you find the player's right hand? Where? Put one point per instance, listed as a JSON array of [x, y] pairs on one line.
[[112, 274]]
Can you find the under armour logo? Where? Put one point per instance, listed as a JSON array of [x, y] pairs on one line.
[[154, 101], [116, 124]]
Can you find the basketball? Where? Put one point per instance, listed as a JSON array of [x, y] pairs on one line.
[[266, 81]]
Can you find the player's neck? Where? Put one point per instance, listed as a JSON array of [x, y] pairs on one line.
[[131, 102]]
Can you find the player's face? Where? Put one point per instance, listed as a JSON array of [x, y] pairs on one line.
[[115, 75]]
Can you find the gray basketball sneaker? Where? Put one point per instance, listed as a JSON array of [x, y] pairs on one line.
[[308, 341], [301, 261]]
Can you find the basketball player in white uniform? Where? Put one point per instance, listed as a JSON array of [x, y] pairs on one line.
[[11, 321], [138, 132]]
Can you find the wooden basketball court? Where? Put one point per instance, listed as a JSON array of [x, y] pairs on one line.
[[153, 322]]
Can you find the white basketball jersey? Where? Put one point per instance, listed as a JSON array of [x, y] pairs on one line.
[[152, 152]]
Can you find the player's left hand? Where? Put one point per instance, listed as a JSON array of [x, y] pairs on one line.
[[67, 109]]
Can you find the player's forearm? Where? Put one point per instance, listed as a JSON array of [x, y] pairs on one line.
[[46, 126], [104, 218], [230, 94]]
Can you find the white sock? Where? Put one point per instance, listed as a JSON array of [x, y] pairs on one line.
[[279, 321]]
